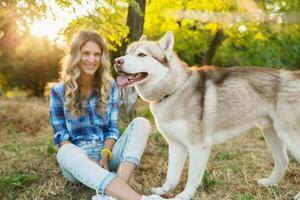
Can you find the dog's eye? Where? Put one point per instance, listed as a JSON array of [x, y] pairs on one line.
[[142, 55]]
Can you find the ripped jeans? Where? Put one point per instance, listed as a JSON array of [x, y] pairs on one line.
[[76, 162]]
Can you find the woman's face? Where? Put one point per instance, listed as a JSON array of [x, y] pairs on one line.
[[90, 58]]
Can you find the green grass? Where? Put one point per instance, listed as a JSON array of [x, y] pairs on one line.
[[225, 155], [247, 196], [16, 180], [145, 112], [208, 181]]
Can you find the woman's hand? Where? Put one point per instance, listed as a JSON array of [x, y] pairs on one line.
[[104, 162], [64, 142]]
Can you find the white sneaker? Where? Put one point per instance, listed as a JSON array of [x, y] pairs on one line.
[[152, 197], [102, 197]]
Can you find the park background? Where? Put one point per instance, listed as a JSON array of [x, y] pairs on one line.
[[35, 34]]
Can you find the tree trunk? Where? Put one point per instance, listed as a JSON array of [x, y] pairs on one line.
[[135, 22], [213, 47]]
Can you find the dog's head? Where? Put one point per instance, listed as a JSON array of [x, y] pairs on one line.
[[145, 61]]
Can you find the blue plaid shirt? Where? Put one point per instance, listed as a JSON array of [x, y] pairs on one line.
[[91, 126]]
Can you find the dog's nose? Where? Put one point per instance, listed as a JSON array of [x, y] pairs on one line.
[[119, 61]]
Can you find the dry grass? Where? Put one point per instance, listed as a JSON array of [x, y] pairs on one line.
[[28, 169]]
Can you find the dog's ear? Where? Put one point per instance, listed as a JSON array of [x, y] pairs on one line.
[[143, 38], [167, 42]]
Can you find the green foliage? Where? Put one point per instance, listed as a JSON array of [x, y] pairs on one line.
[[16, 180], [147, 114], [122, 130], [51, 149], [208, 181], [16, 148], [260, 45], [279, 5], [247, 196], [157, 136], [191, 37], [33, 64], [225, 155], [109, 19]]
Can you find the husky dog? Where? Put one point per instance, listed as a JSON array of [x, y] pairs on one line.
[[195, 108]]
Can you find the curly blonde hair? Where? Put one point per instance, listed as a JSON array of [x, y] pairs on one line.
[[70, 73]]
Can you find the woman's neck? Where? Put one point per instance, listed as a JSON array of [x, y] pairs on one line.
[[86, 85], [86, 81]]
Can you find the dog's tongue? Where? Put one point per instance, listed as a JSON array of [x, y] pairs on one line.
[[122, 81]]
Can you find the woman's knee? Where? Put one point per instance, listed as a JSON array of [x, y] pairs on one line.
[[142, 124], [68, 151], [69, 176]]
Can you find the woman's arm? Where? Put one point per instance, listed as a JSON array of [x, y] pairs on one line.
[[113, 133], [57, 117], [113, 115], [109, 143]]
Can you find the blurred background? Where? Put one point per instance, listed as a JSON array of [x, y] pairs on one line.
[[35, 34]]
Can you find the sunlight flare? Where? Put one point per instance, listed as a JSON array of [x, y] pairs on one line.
[[45, 27]]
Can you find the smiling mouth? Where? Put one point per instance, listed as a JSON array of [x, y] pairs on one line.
[[90, 67], [125, 79]]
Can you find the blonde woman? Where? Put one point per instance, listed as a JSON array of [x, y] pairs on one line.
[[84, 116]]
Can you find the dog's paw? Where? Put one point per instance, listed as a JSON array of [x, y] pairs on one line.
[[167, 187], [266, 182], [297, 197], [158, 191]]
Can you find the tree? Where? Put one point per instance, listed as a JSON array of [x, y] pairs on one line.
[[135, 23], [106, 17], [13, 15], [216, 41], [34, 64], [246, 40]]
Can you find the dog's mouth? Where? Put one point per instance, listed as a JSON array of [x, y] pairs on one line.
[[125, 79]]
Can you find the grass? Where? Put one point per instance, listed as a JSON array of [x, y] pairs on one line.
[[247, 196], [29, 171]]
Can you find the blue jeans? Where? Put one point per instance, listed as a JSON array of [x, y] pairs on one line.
[[80, 163]]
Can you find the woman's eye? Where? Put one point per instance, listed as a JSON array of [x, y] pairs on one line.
[[142, 55]]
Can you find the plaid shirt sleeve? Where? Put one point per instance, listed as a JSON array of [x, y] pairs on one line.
[[57, 117], [113, 115]]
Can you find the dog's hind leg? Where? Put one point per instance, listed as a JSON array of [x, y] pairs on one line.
[[289, 133], [177, 157], [293, 144], [291, 138], [279, 155]]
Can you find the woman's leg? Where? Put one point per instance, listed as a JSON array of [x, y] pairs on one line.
[[74, 160], [129, 149], [76, 163]]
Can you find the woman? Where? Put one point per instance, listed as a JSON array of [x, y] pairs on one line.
[[84, 116]]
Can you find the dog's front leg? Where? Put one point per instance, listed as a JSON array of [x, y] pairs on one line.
[[177, 157], [198, 157]]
